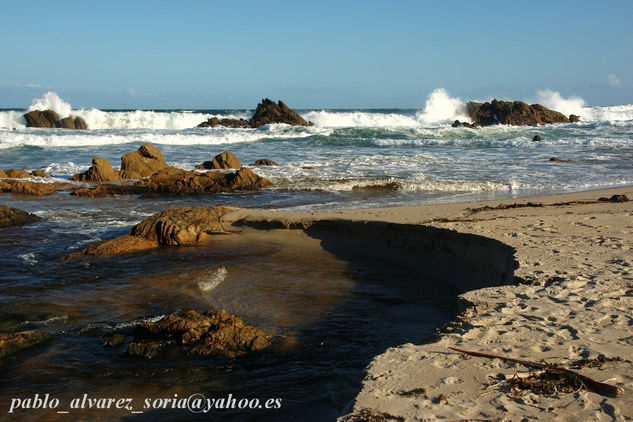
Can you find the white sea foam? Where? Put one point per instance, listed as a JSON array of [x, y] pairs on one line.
[[212, 279], [572, 105], [440, 107], [51, 101], [339, 119], [28, 258]]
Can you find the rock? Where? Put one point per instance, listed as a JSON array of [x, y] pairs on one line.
[[142, 163], [556, 160], [268, 112], [573, 118], [537, 138], [182, 226], [115, 340], [457, 123], [38, 118], [145, 349], [116, 246], [17, 174], [512, 113], [232, 123], [264, 162], [100, 171], [105, 189], [39, 173], [615, 198], [14, 217], [80, 123], [245, 179], [224, 160], [67, 123], [14, 342], [31, 188], [205, 334], [3, 174]]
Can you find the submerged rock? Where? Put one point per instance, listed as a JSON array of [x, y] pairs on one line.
[[114, 340], [14, 217], [11, 343], [268, 112], [232, 123], [515, 113], [145, 349], [264, 162], [116, 246], [537, 138], [31, 188], [100, 171], [144, 162], [182, 226], [212, 332], [457, 123]]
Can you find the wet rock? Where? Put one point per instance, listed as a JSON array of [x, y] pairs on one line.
[[144, 162], [515, 113], [555, 160], [182, 226], [537, 138], [3, 174], [264, 162], [224, 160], [14, 217], [39, 173], [31, 188], [39, 118], [71, 122], [11, 343], [145, 349], [268, 112], [573, 118], [116, 246], [246, 179], [100, 171], [17, 174], [105, 189], [115, 340], [232, 123], [457, 123], [205, 334]]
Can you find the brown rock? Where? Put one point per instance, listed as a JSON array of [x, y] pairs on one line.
[[182, 226], [3, 174], [556, 160], [145, 349], [31, 188], [39, 173], [17, 174], [573, 118], [38, 118], [245, 179], [264, 163], [268, 112], [225, 160], [205, 334], [100, 171], [14, 342], [15, 217], [457, 123], [142, 163], [513, 113], [232, 123], [80, 123], [115, 340], [67, 123], [116, 246], [105, 189]]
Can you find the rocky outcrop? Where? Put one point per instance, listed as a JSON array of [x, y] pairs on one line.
[[209, 333], [573, 118], [232, 123], [457, 123], [515, 113], [268, 112], [182, 226], [116, 246], [50, 119], [39, 173], [104, 190], [142, 163], [224, 160], [264, 162], [31, 188], [11, 343], [14, 217], [17, 174], [100, 171]]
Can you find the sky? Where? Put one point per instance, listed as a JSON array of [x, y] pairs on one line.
[[318, 54]]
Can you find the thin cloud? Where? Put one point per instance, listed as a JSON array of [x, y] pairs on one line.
[[24, 85], [613, 80]]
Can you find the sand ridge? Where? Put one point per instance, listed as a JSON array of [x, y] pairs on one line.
[[575, 301]]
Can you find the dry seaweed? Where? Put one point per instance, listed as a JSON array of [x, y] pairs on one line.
[[415, 393], [612, 199], [369, 415], [598, 362], [549, 382]]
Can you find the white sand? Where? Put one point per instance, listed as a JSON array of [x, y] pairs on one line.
[[580, 305]]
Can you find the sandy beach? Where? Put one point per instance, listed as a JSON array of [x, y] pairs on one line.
[[572, 299]]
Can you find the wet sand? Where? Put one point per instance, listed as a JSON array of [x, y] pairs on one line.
[[573, 300]]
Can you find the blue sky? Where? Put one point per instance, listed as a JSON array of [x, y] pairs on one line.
[[325, 54]]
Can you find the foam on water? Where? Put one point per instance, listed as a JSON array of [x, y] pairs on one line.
[[440, 107], [209, 281], [51, 101]]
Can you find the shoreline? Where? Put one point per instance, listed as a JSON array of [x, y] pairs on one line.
[[572, 302]]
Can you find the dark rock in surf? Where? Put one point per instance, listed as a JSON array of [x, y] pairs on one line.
[[71, 122], [573, 118], [457, 123], [209, 333], [145, 349], [45, 118], [264, 162], [14, 217], [537, 138], [117, 246], [114, 340], [39, 173], [100, 171], [269, 112], [231, 123], [515, 113], [11, 343], [555, 160]]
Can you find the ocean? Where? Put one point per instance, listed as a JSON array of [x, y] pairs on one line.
[[339, 316]]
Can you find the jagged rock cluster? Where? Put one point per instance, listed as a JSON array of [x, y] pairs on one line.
[[515, 113], [49, 118], [267, 112]]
